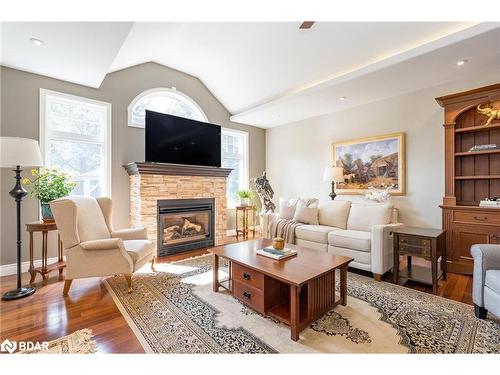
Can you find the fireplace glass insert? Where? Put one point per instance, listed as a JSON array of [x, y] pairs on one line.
[[185, 224]]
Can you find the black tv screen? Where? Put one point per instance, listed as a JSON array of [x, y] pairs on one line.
[[178, 140]]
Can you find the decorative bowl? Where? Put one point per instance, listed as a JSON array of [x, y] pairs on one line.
[[278, 243]]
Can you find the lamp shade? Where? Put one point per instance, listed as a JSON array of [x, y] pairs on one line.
[[335, 174], [16, 151]]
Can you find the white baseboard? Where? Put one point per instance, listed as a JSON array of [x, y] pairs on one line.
[[232, 232], [11, 269]]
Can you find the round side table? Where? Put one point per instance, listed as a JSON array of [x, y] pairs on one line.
[[44, 269]]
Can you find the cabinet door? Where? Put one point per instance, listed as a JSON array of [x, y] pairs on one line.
[[464, 236]]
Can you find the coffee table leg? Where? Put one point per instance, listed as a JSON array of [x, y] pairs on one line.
[[216, 273], [294, 312], [343, 286]]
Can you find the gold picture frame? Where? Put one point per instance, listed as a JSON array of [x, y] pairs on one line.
[[378, 161]]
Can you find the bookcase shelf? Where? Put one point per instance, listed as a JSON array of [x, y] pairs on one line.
[[472, 153], [483, 177], [472, 129]]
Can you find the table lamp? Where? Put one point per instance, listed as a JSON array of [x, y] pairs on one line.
[[16, 153], [333, 175]]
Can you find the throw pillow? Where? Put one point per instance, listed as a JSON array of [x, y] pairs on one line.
[[306, 215], [307, 202], [287, 208]]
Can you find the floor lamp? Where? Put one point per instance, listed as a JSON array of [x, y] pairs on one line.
[[16, 153]]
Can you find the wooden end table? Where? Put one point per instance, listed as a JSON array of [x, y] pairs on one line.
[[296, 291], [426, 243], [245, 228], [44, 269]]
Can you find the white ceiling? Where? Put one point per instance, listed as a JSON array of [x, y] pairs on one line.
[[265, 74], [79, 52]]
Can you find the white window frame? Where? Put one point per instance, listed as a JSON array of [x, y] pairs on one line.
[[44, 136], [245, 172], [170, 92]]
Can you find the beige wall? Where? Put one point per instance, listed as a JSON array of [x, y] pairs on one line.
[[20, 114], [297, 153]]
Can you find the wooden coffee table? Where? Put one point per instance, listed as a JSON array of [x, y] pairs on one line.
[[296, 290]]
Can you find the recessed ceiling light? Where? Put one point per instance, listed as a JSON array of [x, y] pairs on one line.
[[342, 98], [461, 62], [36, 42]]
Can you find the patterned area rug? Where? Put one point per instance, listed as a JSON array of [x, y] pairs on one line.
[[175, 311], [79, 342]]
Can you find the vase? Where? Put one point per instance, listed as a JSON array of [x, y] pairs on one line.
[[47, 216], [244, 201]]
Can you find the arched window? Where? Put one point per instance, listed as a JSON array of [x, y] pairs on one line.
[[163, 100]]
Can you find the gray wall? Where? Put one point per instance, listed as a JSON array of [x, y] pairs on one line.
[[20, 117], [308, 146]]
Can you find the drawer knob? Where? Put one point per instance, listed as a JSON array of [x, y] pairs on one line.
[[247, 295], [481, 218], [246, 276]]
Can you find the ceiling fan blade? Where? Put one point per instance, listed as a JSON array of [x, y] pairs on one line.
[[306, 25]]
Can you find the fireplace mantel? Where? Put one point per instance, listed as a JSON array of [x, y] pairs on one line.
[[136, 167]]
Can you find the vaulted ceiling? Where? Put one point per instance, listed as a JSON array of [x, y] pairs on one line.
[[265, 74]]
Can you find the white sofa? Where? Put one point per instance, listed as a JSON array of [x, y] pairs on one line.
[[362, 231]]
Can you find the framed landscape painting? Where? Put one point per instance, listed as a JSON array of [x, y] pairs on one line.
[[377, 162]]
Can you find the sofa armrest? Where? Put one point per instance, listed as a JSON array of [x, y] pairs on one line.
[[486, 257], [105, 244], [130, 234], [265, 221], [382, 248]]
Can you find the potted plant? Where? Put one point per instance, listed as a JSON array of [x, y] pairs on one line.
[[47, 185], [245, 196]]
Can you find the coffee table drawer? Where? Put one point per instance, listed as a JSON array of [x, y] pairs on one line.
[[247, 276], [250, 296]]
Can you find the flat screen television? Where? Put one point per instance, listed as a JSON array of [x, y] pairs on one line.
[[178, 140]]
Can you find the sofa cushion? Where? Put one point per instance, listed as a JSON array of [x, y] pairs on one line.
[[287, 208], [350, 239], [364, 216], [315, 233], [334, 213], [138, 249], [306, 215], [362, 257], [311, 245], [492, 280]]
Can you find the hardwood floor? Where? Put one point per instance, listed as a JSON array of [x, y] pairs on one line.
[[48, 315]]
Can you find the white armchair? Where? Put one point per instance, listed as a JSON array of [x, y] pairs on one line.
[[92, 247]]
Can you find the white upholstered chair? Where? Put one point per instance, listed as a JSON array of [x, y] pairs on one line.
[[92, 247]]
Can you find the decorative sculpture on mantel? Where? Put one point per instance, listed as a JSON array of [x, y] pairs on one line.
[[265, 193], [490, 112]]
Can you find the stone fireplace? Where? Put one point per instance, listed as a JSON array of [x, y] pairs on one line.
[[155, 185]]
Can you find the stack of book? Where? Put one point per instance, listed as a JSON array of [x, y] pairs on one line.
[[271, 252], [476, 148], [489, 203]]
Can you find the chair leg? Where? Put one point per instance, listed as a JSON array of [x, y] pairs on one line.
[[377, 277], [129, 283], [67, 285], [480, 312], [153, 262]]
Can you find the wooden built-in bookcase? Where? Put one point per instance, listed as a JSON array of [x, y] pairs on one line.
[[470, 176]]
